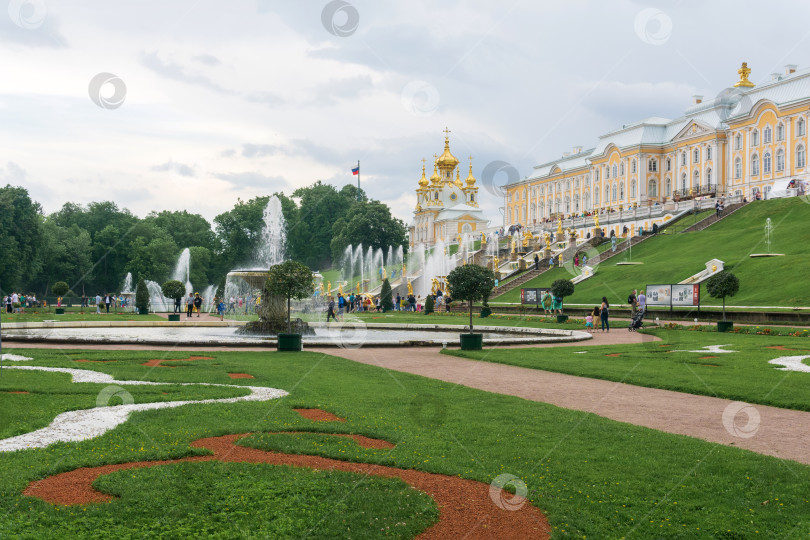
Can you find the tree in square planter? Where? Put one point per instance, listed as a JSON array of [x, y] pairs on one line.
[[175, 290], [142, 297], [60, 288], [471, 282], [720, 285], [290, 279], [560, 289]]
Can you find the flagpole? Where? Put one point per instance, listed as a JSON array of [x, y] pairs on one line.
[[358, 180]]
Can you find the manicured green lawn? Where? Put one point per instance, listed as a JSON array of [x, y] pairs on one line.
[[75, 314], [593, 477], [410, 317], [744, 375], [673, 258]]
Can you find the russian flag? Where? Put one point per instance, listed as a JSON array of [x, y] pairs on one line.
[[356, 170]]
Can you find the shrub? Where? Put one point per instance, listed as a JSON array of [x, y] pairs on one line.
[[485, 312], [470, 282], [174, 289], [386, 293], [723, 284], [562, 288], [290, 279], [142, 296], [60, 288], [429, 305]]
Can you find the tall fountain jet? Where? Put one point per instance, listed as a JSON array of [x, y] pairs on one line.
[[269, 252]]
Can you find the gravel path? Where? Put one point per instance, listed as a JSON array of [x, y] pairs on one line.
[[767, 430]]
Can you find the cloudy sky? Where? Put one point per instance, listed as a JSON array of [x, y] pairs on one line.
[[192, 104]]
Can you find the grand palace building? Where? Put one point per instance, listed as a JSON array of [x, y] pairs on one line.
[[748, 140]]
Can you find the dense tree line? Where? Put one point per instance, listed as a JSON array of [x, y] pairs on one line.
[[93, 246]]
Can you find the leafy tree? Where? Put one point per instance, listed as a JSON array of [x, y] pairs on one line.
[[290, 279], [174, 289], [186, 229], [562, 288], [370, 224], [20, 237], [723, 284], [60, 288], [65, 253], [200, 270], [310, 235], [470, 282], [142, 296], [239, 230], [386, 294]]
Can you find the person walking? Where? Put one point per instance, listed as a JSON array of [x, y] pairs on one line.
[[603, 315], [632, 301], [198, 301], [177, 304], [189, 305], [98, 304], [642, 302], [221, 310], [107, 302], [536, 262], [341, 306], [330, 310]]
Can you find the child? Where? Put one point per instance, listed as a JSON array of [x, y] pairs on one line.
[[589, 322], [221, 310]]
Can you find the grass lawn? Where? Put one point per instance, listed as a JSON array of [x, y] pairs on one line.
[[593, 477], [409, 317], [673, 258], [744, 375], [75, 314]]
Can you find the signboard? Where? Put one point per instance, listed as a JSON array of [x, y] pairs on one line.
[[685, 295], [659, 295], [532, 296]]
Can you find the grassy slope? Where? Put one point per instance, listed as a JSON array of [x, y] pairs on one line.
[[673, 258], [593, 477]]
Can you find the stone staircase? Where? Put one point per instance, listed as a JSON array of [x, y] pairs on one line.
[[526, 276], [620, 248], [712, 219]]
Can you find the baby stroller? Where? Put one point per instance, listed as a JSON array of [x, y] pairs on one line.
[[636, 321]]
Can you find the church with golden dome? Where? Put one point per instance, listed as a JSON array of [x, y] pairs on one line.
[[446, 207]]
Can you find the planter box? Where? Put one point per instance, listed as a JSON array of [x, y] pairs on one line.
[[562, 318], [174, 317], [725, 326], [59, 311], [471, 342], [143, 311], [289, 342]]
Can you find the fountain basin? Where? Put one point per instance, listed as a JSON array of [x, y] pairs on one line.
[[223, 334]]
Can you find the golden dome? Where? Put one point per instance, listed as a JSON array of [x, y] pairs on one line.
[[458, 178], [423, 182], [447, 160], [470, 178], [435, 178]]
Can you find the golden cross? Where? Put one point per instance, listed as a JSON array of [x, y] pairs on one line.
[[423, 162], [446, 131]]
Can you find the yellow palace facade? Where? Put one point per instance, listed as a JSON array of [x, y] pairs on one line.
[[748, 140]]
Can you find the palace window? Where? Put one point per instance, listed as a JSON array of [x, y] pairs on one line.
[[540, 211], [534, 212], [780, 160], [709, 153], [614, 171], [576, 183], [558, 205], [738, 142], [596, 196], [633, 189], [683, 183], [755, 138], [621, 191], [800, 156], [709, 178], [567, 204], [621, 169], [472, 197], [652, 165], [587, 201], [596, 175], [800, 127], [780, 132], [766, 163], [755, 165], [766, 135], [607, 194], [737, 168], [696, 155], [576, 203], [652, 189], [696, 182], [568, 185], [614, 198], [668, 187], [633, 165], [683, 159], [669, 164]]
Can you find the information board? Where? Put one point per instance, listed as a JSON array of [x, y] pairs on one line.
[[659, 295], [685, 295]]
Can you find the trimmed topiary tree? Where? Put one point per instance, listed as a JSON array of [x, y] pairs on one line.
[[429, 305], [142, 296], [562, 288], [60, 288], [290, 279], [386, 293], [174, 289], [723, 284], [470, 282]]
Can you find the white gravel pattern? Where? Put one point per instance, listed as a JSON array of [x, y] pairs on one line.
[[15, 358], [81, 425], [791, 363]]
